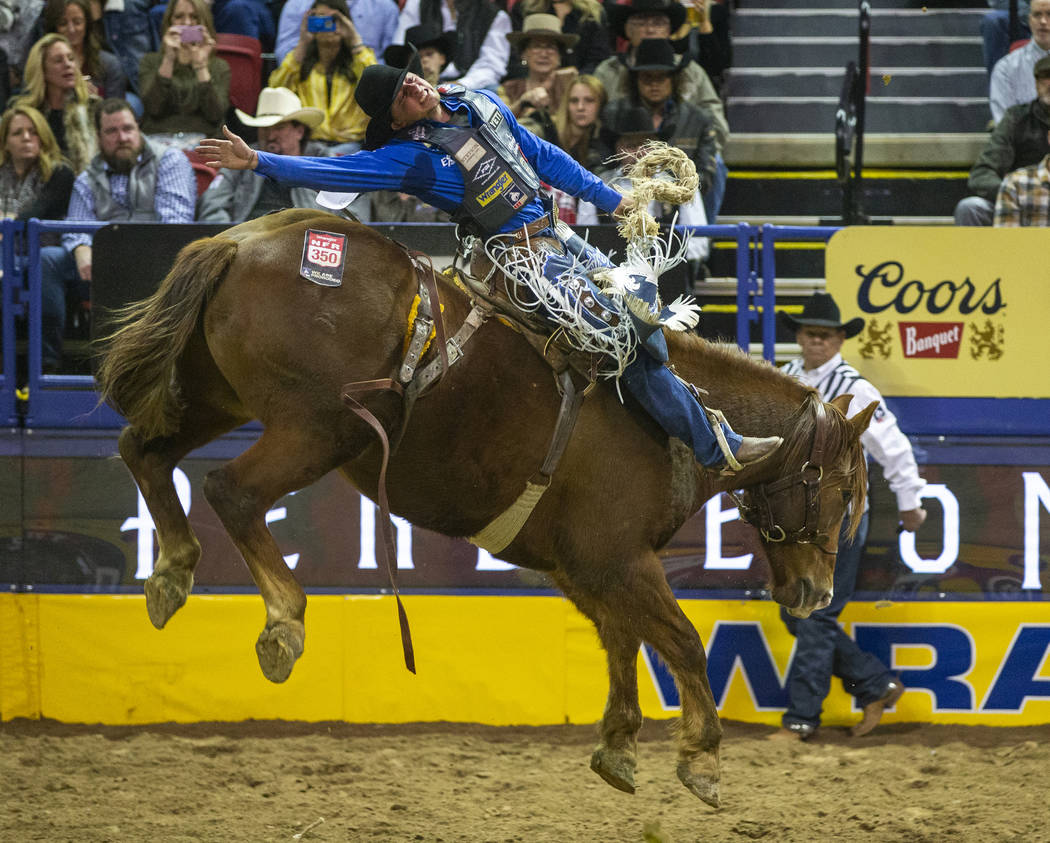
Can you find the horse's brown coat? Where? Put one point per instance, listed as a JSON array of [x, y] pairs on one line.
[[234, 334]]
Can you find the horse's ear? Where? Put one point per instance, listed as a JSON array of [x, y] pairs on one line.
[[841, 403], [860, 422]]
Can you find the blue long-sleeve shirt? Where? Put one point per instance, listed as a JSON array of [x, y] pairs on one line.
[[432, 175]]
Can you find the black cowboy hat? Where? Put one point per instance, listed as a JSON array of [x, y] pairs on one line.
[[655, 54], [376, 91], [618, 12], [416, 38], [821, 311]]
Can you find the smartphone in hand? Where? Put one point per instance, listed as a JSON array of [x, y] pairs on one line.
[[320, 23], [191, 34]]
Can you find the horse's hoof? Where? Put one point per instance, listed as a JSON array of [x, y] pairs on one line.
[[616, 766], [279, 645], [700, 784], [166, 593]]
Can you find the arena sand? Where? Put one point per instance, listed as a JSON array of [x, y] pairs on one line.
[[264, 781]]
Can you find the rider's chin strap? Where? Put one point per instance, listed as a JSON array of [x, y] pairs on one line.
[[388, 548]]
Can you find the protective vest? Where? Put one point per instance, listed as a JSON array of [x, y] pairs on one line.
[[142, 184], [497, 180]]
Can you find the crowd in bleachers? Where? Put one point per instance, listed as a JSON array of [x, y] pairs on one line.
[[594, 79]]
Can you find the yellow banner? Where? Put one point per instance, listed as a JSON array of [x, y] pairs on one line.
[[949, 312], [499, 660]]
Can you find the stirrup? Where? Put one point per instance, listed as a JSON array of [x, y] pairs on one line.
[[717, 419]]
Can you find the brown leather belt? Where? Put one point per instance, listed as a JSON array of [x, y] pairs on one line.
[[548, 220]]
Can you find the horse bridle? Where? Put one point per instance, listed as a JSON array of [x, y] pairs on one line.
[[757, 504]]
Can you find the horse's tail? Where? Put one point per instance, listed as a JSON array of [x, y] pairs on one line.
[[137, 368]]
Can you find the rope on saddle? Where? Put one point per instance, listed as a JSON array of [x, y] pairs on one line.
[[388, 548]]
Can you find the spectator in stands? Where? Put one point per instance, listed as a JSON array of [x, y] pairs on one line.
[[704, 38], [130, 179], [995, 30], [54, 87], [237, 17], [1012, 82], [1024, 196], [534, 98], [654, 82], [323, 70], [185, 87], [578, 124], [481, 51], [431, 45], [1019, 140], [16, 35], [375, 21], [34, 179], [130, 33], [582, 18], [72, 18], [641, 19], [630, 128], [284, 129], [822, 649]]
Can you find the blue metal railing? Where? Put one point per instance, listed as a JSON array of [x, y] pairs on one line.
[[11, 305], [57, 400]]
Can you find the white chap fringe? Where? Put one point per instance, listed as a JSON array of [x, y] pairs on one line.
[[531, 291]]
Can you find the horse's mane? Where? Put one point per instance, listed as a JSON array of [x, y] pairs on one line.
[[798, 429]]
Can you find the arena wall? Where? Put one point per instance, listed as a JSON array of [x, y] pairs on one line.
[[494, 659]]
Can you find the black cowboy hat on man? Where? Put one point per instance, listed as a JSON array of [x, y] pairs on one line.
[[375, 93], [618, 13], [418, 38], [821, 311]]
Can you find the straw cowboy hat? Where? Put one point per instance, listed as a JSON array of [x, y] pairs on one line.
[[279, 105], [619, 13], [820, 311], [655, 54], [542, 25]]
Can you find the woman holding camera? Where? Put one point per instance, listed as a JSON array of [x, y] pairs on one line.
[[185, 87], [323, 71]]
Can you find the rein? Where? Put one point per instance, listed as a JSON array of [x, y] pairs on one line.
[[800, 513], [388, 549]]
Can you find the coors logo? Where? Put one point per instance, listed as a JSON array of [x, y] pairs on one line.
[[931, 339]]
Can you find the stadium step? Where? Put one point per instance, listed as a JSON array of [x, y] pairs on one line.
[[927, 100]]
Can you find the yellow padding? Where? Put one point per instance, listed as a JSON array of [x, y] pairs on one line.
[[501, 531], [19, 656], [410, 326]]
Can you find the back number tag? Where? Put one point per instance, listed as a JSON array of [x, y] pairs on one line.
[[324, 256]]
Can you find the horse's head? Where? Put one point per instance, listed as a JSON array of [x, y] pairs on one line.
[[800, 513]]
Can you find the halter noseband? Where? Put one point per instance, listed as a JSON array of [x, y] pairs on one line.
[[756, 508]]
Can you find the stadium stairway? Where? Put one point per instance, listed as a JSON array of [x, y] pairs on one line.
[[926, 122]]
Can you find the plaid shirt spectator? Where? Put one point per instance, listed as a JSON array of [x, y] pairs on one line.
[[1024, 196]]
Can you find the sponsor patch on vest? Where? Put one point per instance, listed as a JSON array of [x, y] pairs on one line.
[[515, 197], [324, 257], [485, 170], [502, 182], [470, 153]]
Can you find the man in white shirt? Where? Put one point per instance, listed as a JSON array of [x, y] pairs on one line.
[[822, 648], [1012, 80]]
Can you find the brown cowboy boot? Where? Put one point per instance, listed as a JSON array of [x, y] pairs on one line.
[[873, 710], [756, 448]]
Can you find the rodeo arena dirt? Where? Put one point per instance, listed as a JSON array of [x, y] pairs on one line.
[[270, 781]]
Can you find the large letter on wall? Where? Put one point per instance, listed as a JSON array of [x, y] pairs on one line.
[[949, 541], [1035, 493], [715, 517]]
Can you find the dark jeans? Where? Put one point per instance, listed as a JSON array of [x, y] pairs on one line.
[[822, 649], [58, 276]]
